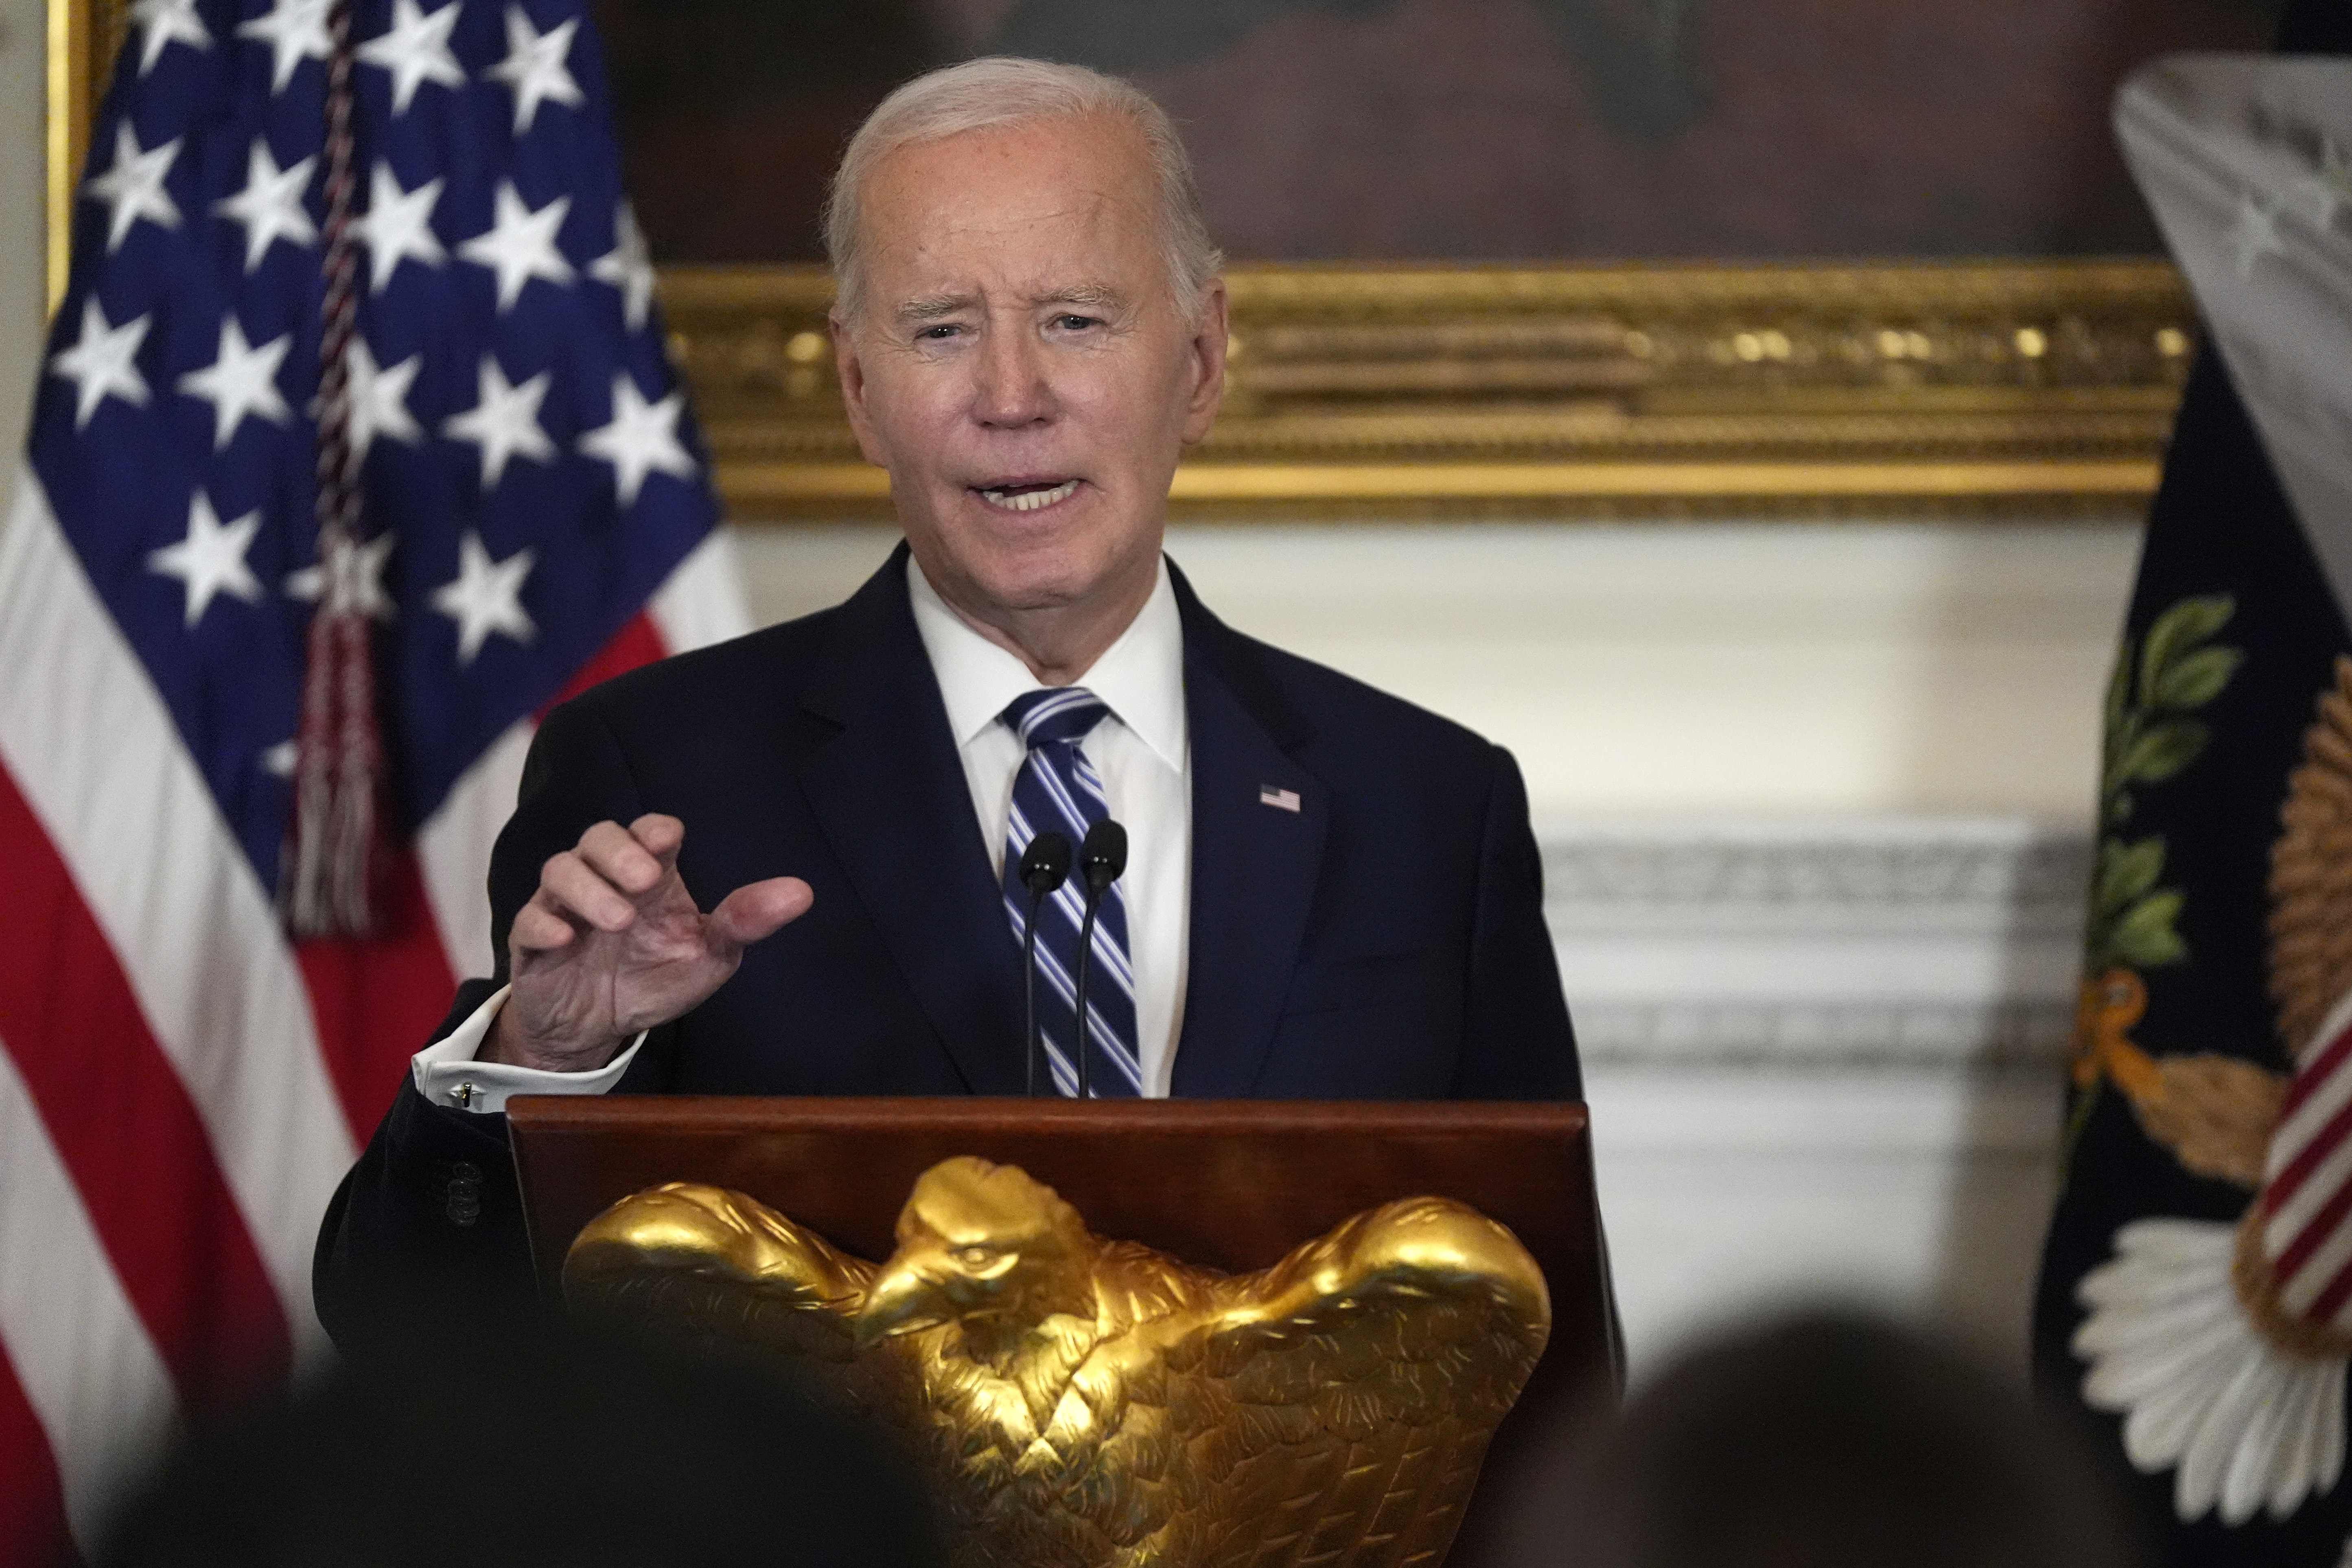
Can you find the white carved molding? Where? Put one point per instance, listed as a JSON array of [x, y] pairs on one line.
[[1912, 942]]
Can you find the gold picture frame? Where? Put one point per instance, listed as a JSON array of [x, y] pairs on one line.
[[1985, 389], [1992, 389]]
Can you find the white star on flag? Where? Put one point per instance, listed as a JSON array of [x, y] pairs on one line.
[[295, 30], [103, 360], [270, 207], [627, 267], [485, 596], [379, 398], [2331, 187], [2255, 234], [399, 224], [505, 422], [641, 439], [519, 244], [133, 187], [415, 50], [357, 574], [242, 381], [165, 22], [211, 560], [534, 66]]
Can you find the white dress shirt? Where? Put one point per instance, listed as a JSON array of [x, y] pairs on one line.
[[1143, 752], [1141, 748]]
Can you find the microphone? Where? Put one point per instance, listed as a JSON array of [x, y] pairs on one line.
[[1101, 858], [1044, 866]]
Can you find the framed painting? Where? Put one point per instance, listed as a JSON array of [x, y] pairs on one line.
[[1556, 257]]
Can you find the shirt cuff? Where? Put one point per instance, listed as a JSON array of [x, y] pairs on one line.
[[445, 1072]]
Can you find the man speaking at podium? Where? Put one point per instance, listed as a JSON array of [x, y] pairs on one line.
[[1329, 894]]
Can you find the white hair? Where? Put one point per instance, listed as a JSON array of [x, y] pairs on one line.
[[1003, 91]]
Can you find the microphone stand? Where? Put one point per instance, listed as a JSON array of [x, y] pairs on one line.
[[1101, 858], [1044, 866]]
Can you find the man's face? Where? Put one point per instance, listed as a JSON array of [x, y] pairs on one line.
[[1020, 365]]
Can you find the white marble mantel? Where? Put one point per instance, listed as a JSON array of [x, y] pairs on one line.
[[1823, 1059]]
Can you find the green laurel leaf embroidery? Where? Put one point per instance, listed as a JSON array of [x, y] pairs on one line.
[[2126, 873], [2195, 680], [2160, 750], [2145, 938], [2150, 738], [2174, 634]]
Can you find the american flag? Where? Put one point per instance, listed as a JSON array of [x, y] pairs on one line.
[[181, 1085]]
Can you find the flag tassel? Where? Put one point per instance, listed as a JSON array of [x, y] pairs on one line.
[[328, 888]]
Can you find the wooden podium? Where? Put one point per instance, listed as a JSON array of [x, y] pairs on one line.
[[1235, 1184]]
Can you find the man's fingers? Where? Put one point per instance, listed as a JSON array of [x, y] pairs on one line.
[[759, 910], [537, 928], [614, 853], [660, 836], [570, 886]]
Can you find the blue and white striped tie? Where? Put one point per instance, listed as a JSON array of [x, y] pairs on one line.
[[1059, 790]]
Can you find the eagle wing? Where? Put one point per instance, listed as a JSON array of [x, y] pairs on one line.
[[729, 1274], [1344, 1397], [2311, 874]]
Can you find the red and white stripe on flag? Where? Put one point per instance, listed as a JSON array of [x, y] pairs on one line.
[[2306, 1198], [180, 1087]]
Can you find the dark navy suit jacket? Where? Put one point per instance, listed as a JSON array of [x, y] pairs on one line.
[[1385, 941]]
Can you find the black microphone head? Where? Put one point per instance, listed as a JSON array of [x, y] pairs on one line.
[[1046, 864], [1103, 856]]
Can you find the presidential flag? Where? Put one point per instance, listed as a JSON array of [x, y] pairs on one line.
[[355, 447], [2196, 1298]]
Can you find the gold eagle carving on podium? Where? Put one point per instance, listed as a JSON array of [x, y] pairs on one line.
[[1089, 1404]]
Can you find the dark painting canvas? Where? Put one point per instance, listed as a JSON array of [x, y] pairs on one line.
[[1361, 129]]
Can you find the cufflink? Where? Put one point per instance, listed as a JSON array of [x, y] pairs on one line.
[[464, 1094]]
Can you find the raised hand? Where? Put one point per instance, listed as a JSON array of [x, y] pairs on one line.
[[612, 943]]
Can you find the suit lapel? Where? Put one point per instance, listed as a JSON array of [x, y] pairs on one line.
[[1253, 864], [889, 792]]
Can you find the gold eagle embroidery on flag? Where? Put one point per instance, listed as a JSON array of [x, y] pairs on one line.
[[2225, 1346]]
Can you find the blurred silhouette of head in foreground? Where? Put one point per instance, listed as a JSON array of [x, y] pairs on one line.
[[1828, 1440], [568, 1449]]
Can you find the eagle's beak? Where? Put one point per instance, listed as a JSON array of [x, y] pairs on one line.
[[901, 1300]]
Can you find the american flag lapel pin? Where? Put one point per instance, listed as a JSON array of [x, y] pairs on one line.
[[1280, 799]]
